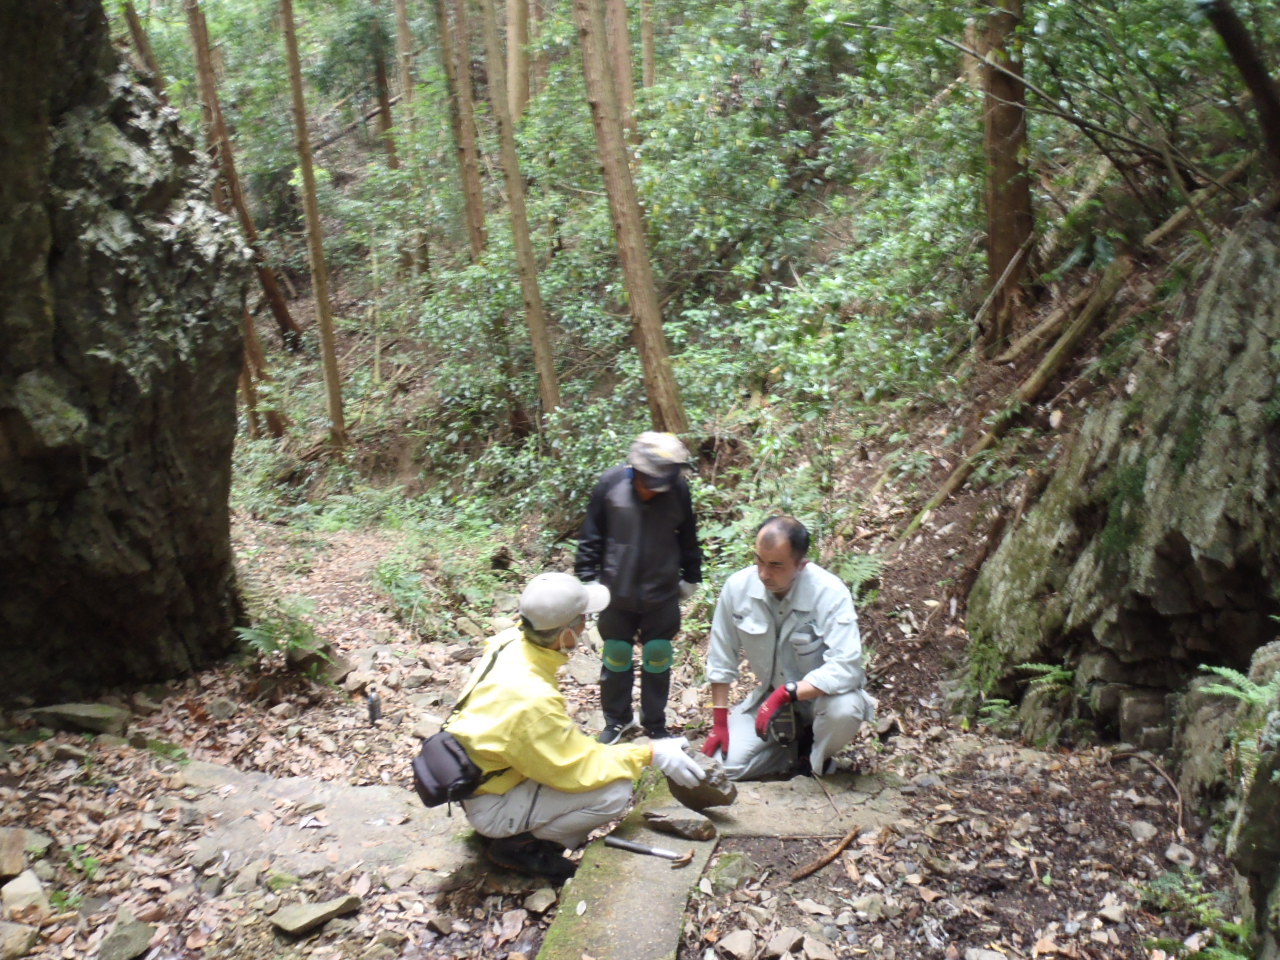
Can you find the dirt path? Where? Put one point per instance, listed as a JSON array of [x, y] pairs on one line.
[[998, 847]]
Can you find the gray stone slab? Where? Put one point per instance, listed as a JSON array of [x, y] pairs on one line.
[[625, 906], [800, 808], [628, 906], [91, 717], [377, 826]]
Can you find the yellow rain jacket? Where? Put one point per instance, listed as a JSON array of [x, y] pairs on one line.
[[515, 719]]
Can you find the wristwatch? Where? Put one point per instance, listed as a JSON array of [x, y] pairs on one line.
[[793, 690]]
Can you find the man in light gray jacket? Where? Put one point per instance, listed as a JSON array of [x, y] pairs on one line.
[[795, 624]]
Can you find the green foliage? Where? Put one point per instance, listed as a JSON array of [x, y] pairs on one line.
[[1182, 895], [452, 558], [858, 569], [81, 861], [64, 901], [1187, 446], [811, 176], [985, 667], [998, 715], [405, 590], [1255, 700], [169, 751], [1123, 493], [281, 627], [1240, 687], [1048, 675]]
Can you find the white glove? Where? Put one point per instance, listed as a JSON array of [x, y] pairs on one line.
[[688, 589], [670, 758]]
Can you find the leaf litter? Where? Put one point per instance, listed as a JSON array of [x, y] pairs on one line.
[[1005, 849]]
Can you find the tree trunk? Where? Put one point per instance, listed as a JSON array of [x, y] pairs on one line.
[[538, 62], [404, 59], [1008, 199], [648, 48], [315, 239], [535, 315], [382, 89], [457, 69], [290, 332], [421, 255], [250, 396], [619, 42], [142, 44], [1244, 54], [633, 251], [517, 57], [456, 59], [255, 366], [119, 319]]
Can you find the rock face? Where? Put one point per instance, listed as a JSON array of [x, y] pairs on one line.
[[1254, 841], [1156, 548], [121, 292]]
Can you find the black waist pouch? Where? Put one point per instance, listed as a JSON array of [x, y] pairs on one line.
[[784, 726], [442, 771]]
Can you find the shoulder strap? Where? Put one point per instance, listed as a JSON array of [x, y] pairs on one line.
[[493, 658]]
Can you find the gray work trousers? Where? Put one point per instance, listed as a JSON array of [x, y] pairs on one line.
[[835, 720], [566, 818]]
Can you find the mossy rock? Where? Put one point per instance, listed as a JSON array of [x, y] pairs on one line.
[[277, 880], [730, 871]]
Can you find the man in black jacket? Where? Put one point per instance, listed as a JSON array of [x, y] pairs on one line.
[[640, 540]]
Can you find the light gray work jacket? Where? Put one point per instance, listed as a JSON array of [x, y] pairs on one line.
[[814, 636]]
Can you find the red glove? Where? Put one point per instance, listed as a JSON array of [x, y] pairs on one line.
[[782, 695], [719, 739]]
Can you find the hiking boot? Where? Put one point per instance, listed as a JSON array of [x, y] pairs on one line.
[[525, 853], [614, 732]]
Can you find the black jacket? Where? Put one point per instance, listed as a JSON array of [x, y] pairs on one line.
[[639, 550]]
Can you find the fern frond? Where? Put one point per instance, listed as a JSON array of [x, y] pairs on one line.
[[1241, 687]]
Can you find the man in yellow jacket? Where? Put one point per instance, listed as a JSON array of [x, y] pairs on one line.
[[547, 784]]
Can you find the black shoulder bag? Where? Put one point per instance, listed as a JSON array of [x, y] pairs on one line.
[[442, 771]]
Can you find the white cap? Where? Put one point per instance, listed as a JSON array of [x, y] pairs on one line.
[[557, 599], [659, 456]]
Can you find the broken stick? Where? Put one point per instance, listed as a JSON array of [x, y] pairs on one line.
[[812, 868]]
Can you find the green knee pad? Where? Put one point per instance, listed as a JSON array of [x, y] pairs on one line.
[[658, 655], [617, 656]]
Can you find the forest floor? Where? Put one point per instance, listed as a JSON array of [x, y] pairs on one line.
[[1004, 851]]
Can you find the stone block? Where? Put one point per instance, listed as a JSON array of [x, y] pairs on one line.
[[680, 822], [127, 940], [1101, 666], [16, 940], [13, 852], [299, 918], [1140, 709], [83, 717], [717, 790], [24, 899]]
